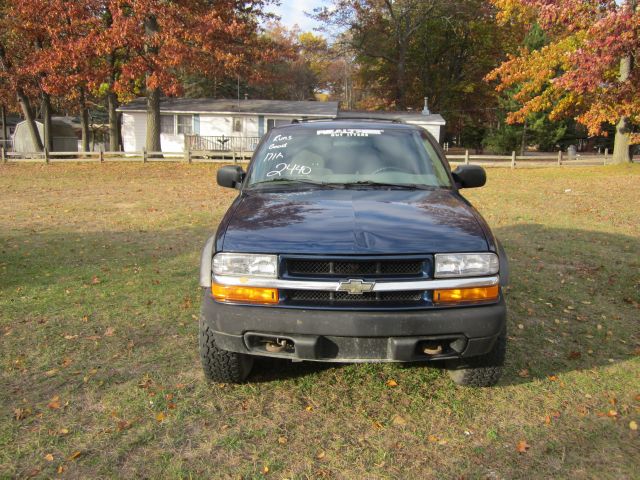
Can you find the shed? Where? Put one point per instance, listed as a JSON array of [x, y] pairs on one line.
[[63, 135]]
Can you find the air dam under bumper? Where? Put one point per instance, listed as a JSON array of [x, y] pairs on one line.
[[356, 336]]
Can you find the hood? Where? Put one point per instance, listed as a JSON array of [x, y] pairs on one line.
[[353, 221]]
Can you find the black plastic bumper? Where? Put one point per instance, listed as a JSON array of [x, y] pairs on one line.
[[356, 336]]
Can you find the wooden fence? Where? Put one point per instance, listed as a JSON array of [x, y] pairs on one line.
[[208, 156], [519, 161], [188, 156]]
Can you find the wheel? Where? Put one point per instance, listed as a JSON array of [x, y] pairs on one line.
[[483, 370], [219, 365]]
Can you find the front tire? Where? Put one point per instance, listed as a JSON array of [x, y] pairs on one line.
[[483, 370], [219, 365]]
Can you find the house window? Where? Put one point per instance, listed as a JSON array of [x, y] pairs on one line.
[[167, 124], [185, 124], [237, 125], [272, 123]]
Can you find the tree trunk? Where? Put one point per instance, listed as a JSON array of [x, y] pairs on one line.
[[153, 120], [151, 28], [401, 79], [114, 130], [84, 121], [623, 129], [3, 130], [523, 145], [46, 121], [25, 105]]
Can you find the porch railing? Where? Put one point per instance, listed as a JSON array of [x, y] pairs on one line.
[[221, 143]]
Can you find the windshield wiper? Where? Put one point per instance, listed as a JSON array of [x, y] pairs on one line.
[[292, 181], [408, 186]]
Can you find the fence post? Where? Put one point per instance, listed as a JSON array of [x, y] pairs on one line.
[[559, 157], [513, 159], [101, 156], [144, 155], [606, 154], [4, 158], [466, 157], [46, 155]]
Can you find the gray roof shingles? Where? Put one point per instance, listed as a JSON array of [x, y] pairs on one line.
[[210, 105]]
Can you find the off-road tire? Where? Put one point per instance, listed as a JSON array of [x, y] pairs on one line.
[[483, 370], [220, 365]]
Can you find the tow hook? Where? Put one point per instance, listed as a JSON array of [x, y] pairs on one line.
[[275, 347], [432, 350]]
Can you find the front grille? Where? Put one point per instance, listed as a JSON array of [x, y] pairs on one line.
[[373, 298], [355, 268]]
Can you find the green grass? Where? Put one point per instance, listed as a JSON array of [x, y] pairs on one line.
[[98, 306]]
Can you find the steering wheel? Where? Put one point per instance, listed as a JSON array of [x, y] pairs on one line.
[[389, 169]]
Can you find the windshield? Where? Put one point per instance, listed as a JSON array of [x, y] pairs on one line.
[[360, 156]]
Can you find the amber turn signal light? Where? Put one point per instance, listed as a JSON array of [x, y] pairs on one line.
[[225, 293], [460, 295]]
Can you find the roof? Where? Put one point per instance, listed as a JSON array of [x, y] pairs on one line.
[[417, 117], [259, 107], [350, 123]]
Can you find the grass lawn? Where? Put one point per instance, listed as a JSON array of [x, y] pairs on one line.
[[100, 375]]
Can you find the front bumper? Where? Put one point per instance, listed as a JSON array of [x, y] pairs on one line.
[[356, 336]]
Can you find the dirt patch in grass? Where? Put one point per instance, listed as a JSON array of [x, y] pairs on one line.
[[100, 374]]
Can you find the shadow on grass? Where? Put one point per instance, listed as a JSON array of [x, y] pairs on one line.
[[573, 300]]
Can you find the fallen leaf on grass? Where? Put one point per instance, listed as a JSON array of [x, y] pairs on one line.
[[63, 431], [282, 440], [123, 425], [522, 446], [95, 280], [321, 455], [60, 468], [160, 416], [612, 413], [398, 420], [70, 337], [54, 403], [633, 425], [51, 373], [309, 408], [48, 457], [74, 455], [392, 383], [265, 470], [21, 413], [552, 378], [109, 332]]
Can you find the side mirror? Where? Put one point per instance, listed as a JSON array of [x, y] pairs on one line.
[[230, 176], [469, 176]]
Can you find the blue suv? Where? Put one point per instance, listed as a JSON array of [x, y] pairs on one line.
[[349, 241]]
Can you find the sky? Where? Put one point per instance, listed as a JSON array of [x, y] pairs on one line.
[[292, 12]]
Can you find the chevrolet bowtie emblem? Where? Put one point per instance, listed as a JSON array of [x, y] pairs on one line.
[[356, 287]]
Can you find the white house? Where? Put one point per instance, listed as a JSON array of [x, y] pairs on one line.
[[210, 124], [215, 124]]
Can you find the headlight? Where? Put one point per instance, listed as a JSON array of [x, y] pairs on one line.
[[466, 264], [244, 264]]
